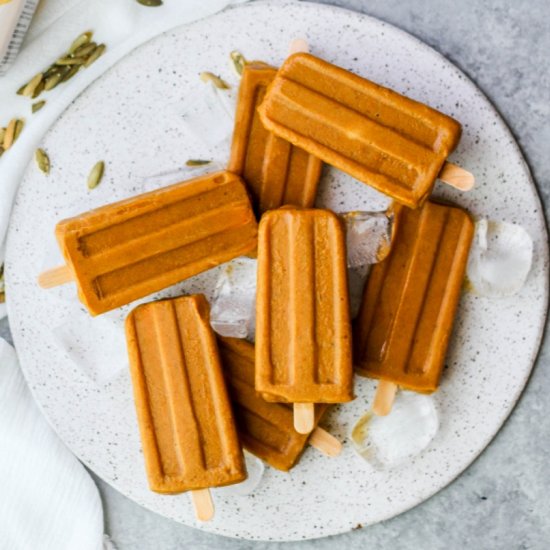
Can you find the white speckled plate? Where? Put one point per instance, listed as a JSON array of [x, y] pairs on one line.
[[130, 118]]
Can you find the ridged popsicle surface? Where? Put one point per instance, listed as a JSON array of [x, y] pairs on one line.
[[393, 143], [265, 429], [185, 418], [410, 299], [303, 335], [276, 172], [126, 250]]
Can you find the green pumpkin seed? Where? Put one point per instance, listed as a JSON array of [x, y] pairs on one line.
[[9, 135], [19, 125], [94, 179], [68, 60], [37, 106], [32, 85], [42, 160], [238, 60], [80, 41], [197, 162], [53, 80], [150, 3], [39, 89], [98, 52], [70, 73], [20, 91], [85, 50], [1, 150], [52, 69], [216, 80]]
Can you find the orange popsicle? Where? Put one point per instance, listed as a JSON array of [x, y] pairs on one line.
[[303, 335], [275, 171], [132, 248], [265, 429], [393, 143], [410, 299], [187, 428]]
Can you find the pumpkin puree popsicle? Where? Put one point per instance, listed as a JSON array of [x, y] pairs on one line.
[[275, 171], [395, 144], [303, 334], [266, 429], [187, 428], [410, 300], [129, 249]]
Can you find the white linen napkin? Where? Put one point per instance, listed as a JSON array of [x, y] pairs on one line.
[[47, 498], [121, 24]]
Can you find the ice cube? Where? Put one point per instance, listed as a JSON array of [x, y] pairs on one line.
[[209, 112], [233, 305], [368, 237], [500, 258], [368, 241], [389, 441], [255, 469], [96, 345]]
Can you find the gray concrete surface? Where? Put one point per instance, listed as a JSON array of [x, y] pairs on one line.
[[501, 501]]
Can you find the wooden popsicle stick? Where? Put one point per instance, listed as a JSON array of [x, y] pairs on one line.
[[304, 417], [325, 442], [55, 276], [457, 177], [384, 397], [298, 45], [202, 502]]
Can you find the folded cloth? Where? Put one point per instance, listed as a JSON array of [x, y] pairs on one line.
[[122, 26], [47, 498]]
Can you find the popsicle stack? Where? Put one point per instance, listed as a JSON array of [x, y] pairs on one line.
[[200, 399]]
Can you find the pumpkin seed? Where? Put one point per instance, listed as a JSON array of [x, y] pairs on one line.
[[216, 80], [70, 73], [81, 40], [68, 60], [238, 61], [94, 179], [85, 50], [19, 125], [52, 69], [32, 85], [150, 3], [9, 135], [20, 91], [1, 150], [197, 162], [53, 80], [37, 106], [98, 52], [2, 134], [42, 160], [2, 285], [38, 90]]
